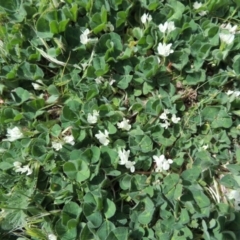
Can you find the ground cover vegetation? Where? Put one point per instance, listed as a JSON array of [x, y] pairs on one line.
[[119, 119]]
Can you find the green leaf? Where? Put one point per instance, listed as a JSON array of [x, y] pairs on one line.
[[5, 165], [95, 154], [70, 170], [109, 44], [120, 233], [83, 171], [141, 143], [86, 234], [218, 79], [12, 219], [121, 18], [72, 210], [109, 208], [93, 91], [105, 229], [38, 149], [229, 181], [238, 155], [178, 9], [34, 106], [100, 66], [68, 232], [149, 66], [145, 217], [52, 90], [195, 78], [191, 175], [95, 220], [103, 14], [163, 137], [201, 199], [179, 59], [30, 71], [169, 183], [68, 114], [236, 64], [54, 26], [123, 81], [184, 217], [22, 95], [217, 116], [11, 5], [110, 156], [15, 9], [56, 130], [125, 182]]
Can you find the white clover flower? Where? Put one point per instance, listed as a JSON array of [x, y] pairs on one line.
[[84, 36], [159, 160], [92, 118], [229, 92], [99, 80], [57, 146], [234, 93], [146, 18], [110, 26], [124, 125], [229, 27], [96, 113], [123, 155], [175, 119], [52, 237], [205, 147], [164, 50], [36, 86], [2, 150], [130, 165], [227, 38], [17, 164], [103, 137], [158, 168], [235, 194], [162, 163], [13, 134], [163, 27], [164, 114], [197, 5], [165, 125], [24, 169], [84, 39], [167, 27], [202, 13], [237, 205], [156, 183], [112, 82], [69, 139], [171, 26], [166, 164]]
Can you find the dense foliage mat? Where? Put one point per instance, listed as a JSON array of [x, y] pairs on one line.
[[119, 119]]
